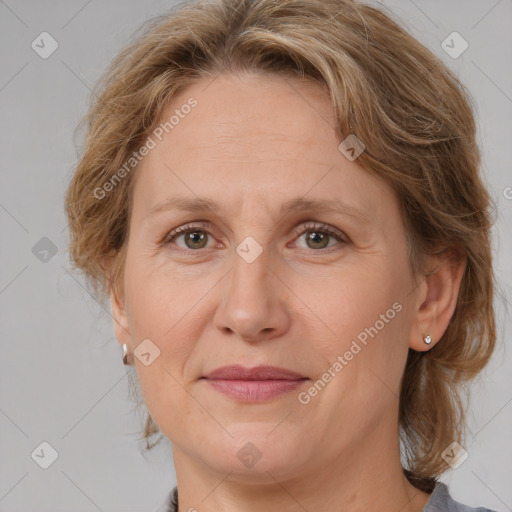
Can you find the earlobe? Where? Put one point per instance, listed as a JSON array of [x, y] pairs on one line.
[[438, 300]]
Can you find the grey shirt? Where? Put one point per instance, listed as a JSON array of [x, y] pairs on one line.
[[440, 501]]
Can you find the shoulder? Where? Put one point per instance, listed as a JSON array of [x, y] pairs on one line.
[[441, 501]]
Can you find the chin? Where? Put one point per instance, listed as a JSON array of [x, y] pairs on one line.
[[256, 449]]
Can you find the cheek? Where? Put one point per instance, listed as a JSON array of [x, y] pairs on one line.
[[366, 309], [363, 302], [160, 309], [366, 312], [156, 299], [158, 312]]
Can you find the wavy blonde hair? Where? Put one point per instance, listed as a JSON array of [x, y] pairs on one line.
[[416, 121]]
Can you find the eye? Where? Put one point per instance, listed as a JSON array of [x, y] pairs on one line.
[[195, 236], [318, 235]]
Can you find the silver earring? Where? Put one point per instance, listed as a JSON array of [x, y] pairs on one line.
[[427, 339], [127, 358]]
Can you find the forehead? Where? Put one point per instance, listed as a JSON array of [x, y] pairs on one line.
[[269, 136], [264, 114]]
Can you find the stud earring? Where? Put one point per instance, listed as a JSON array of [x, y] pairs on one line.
[[427, 339]]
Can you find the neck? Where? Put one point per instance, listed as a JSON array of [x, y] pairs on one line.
[[366, 474]]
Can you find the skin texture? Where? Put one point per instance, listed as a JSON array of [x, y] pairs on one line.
[[252, 143]]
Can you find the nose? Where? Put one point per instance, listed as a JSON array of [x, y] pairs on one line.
[[253, 304]]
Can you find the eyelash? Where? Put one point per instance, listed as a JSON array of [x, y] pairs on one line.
[[312, 226]]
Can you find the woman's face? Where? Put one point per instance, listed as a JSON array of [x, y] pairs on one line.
[[274, 273]]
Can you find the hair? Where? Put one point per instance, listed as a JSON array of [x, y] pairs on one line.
[[413, 115]]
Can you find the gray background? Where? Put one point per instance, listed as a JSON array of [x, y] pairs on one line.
[[61, 376]]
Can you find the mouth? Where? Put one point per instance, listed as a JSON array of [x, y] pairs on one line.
[[254, 384]]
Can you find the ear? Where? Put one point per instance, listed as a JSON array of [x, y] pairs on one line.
[[437, 298], [121, 325], [112, 265]]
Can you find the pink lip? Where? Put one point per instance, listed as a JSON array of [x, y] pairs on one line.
[[262, 372], [253, 384]]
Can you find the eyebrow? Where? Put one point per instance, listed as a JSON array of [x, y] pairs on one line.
[[299, 204]]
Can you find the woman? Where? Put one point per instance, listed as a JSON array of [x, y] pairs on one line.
[[283, 202]]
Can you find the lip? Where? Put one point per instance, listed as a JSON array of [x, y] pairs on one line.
[[262, 372], [253, 384]]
